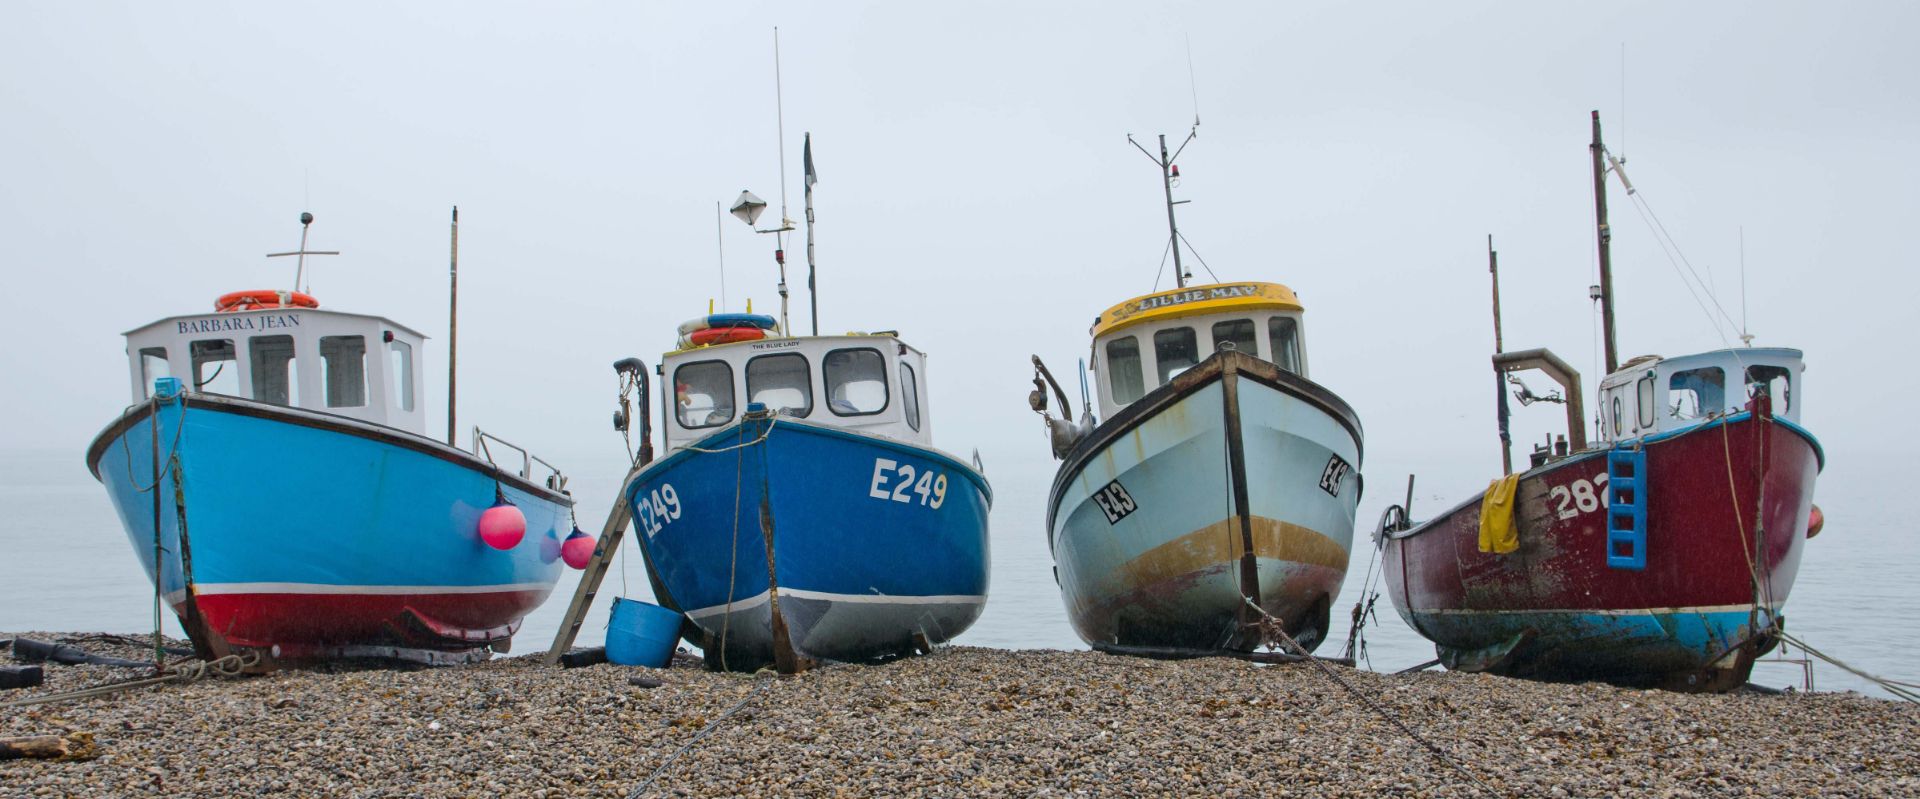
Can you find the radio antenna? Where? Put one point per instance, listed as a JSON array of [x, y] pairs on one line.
[[1193, 85], [720, 249], [1745, 337]]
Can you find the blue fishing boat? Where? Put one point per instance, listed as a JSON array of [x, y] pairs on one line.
[[1212, 510], [274, 477], [800, 512]]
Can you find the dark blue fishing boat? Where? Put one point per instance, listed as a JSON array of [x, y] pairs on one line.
[[801, 513]]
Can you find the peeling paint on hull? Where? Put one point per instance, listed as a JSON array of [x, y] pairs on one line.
[[1223, 466], [1703, 594]]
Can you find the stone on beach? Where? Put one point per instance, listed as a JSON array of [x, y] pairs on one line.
[[959, 722]]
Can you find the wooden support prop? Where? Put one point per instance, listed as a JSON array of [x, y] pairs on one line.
[[72, 746], [604, 552], [21, 676]]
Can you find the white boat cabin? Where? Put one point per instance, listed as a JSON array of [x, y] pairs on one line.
[[363, 367], [1144, 342], [874, 384], [1652, 395]]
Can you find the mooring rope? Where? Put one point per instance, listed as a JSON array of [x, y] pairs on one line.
[[229, 666], [1274, 626], [1904, 690], [760, 685]]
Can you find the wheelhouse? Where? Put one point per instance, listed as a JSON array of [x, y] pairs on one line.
[[1656, 395], [875, 384], [363, 367], [1144, 342]]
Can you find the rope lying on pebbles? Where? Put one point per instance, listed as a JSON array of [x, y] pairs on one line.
[[1272, 626], [228, 666], [766, 678]]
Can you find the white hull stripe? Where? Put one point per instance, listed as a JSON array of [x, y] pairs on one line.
[[362, 590], [871, 599], [1592, 611]]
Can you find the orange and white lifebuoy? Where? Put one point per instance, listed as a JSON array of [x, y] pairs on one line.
[[725, 335], [262, 299]]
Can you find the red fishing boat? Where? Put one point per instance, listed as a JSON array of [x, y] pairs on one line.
[[1663, 554]]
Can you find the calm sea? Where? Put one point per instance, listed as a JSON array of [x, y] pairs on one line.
[[66, 566]]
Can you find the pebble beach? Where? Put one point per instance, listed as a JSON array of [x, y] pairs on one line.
[[960, 722]]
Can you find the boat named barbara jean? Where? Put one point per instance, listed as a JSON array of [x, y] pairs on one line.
[[1216, 500], [1662, 555], [274, 478]]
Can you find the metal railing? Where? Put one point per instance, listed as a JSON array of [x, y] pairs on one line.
[[554, 479]]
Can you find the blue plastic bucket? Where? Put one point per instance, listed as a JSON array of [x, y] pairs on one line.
[[641, 634]]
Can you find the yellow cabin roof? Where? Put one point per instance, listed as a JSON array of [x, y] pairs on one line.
[[1194, 301]]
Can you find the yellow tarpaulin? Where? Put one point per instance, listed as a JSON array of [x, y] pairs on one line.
[[1498, 533]]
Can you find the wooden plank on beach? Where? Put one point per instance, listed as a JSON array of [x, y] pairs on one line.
[[72, 746]]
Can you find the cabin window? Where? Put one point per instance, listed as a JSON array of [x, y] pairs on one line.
[[1643, 408], [703, 394], [1616, 415], [1174, 351], [153, 366], [1776, 381], [275, 378], [1285, 334], [400, 373], [1124, 378], [781, 382], [214, 369], [343, 370], [1239, 333], [910, 395], [856, 381], [1695, 393]]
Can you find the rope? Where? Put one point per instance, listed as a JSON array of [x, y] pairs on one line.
[[760, 685], [733, 564], [153, 421], [1203, 261], [763, 437], [1895, 687], [229, 666], [1274, 627]]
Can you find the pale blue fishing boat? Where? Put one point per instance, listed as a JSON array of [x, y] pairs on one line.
[[1215, 503], [274, 477]]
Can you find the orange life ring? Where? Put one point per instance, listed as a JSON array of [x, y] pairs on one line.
[[263, 298], [725, 335]]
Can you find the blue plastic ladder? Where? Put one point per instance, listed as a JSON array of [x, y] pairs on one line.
[[1627, 508]]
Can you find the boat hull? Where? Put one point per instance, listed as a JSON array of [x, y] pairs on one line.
[[1717, 573], [310, 535], [1235, 482], [790, 543]]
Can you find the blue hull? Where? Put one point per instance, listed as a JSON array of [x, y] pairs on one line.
[[318, 534], [874, 542]]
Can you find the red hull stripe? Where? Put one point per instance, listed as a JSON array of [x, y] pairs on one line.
[[206, 589]]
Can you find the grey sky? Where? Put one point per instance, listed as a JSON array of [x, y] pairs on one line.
[[977, 191]]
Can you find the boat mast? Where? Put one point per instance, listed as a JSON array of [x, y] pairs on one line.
[[453, 318], [813, 295], [1167, 173], [1499, 374], [1605, 236]]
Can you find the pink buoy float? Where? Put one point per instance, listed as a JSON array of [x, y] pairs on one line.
[[503, 525], [578, 549]]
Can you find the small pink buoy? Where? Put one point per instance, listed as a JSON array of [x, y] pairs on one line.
[[503, 525], [578, 549], [1815, 522]]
